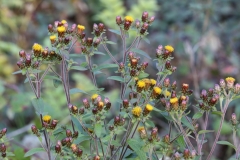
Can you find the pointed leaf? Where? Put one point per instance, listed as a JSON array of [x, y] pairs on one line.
[[115, 31], [197, 115], [104, 66], [33, 151], [56, 83], [219, 113], [205, 131], [141, 52], [110, 42], [143, 75], [17, 72], [98, 129], [76, 90], [146, 40], [101, 53], [226, 143], [116, 78], [79, 68]]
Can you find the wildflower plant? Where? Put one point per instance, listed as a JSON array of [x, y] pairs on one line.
[[130, 133]]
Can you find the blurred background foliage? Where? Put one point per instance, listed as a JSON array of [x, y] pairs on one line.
[[205, 34]]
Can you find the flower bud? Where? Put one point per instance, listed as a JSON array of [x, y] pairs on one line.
[[53, 124], [68, 133], [89, 42], [4, 131], [84, 49], [142, 132], [185, 88], [144, 16], [237, 88], [203, 95], [234, 119], [96, 42], [151, 20], [94, 110], [122, 122], [210, 92], [137, 24], [118, 20], [117, 120], [217, 88], [134, 62], [125, 103], [81, 110], [101, 27], [183, 105], [186, 154], [86, 103], [127, 25], [154, 133], [74, 109], [174, 85], [58, 148], [74, 148], [166, 139], [96, 157], [144, 65], [111, 128], [79, 153], [28, 60], [168, 65], [50, 28], [3, 148], [177, 156], [222, 83], [166, 82], [4, 154], [133, 73], [34, 129]]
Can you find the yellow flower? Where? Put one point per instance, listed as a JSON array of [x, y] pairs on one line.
[[37, 47], [141, 84], [64, 21], [169, 48], [129, 19], [94, 96], [167, 93], [173, 100], [46, 119], [149, 107], [61, 29], [230, 80], [140, 129], [157, 90], [80, 27], [153, 82], [52, 38], [136, 111]]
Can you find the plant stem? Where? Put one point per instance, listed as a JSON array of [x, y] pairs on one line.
[[220, 128], [108, 147], [92, 73], [201, 143]]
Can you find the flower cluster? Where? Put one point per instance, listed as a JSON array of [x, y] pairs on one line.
[[3, 147]]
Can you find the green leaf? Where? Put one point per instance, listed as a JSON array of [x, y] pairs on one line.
[[104, 66], [56, 83], [197, 115], [82, 138], [219, 113], [116, 78], [146, 40], [33, 151], [143, 75], [115, 31], [136, 145], [98, 129], [76, 55], [101, 53], [76, 90], [17, 72], [150, 123], [226, 143], [181, 142], [52, 77], [79, 68], [186, 123], [236, 97], [205, 131], [141, 52], [38, 105], [110, 42]]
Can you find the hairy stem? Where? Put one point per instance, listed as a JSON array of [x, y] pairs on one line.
[[203, 136]]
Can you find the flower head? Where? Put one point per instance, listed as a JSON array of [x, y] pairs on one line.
[[136, 111], [52, 38], [129, 19], [64, 21], [140, 129], [94, 96], [157, 90], [230, 81], [169, 48], [167, 93], [61, 29], [80, 27], [141, 84], [149, 107], [46, 119], [174, 100], [37, 47], [153, 82]]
